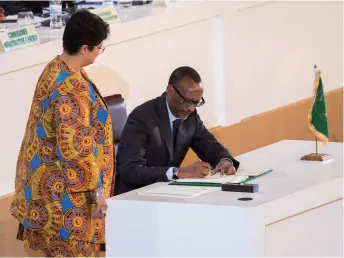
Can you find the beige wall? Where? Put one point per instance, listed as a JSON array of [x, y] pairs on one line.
[[276, 45], [253, 57], [287, 122]]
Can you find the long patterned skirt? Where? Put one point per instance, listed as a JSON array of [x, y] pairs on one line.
[[55, 246]]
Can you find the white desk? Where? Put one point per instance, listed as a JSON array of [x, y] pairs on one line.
[[298, 211], [126, 15]]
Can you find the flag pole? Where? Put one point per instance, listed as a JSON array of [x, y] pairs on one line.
[[318, 83], [316, 138]]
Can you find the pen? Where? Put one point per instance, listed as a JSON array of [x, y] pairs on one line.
[[211, 169], [209, 173]]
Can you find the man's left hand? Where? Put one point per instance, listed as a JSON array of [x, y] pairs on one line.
[[2, 14], [225, 167]]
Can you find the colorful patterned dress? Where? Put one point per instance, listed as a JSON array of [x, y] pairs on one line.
[[67, 151]]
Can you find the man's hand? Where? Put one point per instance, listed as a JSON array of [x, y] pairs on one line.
[[2, 14], [198, 169], [101, 207], [225, 167]]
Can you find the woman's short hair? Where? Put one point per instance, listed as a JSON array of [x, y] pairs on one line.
[[84, 28]]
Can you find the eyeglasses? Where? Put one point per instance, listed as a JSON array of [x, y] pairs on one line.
[[101, 49], [189, 102]]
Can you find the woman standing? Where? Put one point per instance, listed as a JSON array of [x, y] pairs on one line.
[[65, 165]]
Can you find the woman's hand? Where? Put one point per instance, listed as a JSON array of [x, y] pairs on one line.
[[101, 205]]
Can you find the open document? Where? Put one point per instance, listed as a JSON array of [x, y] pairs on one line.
[[242, 176], [216, 179]]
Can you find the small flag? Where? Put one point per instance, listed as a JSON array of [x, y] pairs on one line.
[[317, 117]]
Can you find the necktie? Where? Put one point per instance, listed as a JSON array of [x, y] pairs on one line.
[[175, 131]]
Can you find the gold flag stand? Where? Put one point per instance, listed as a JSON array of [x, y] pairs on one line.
[[316, 156]]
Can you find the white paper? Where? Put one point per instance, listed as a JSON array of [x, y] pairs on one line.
[[12, 17], [215, 179], [245, 171], [175, 190]]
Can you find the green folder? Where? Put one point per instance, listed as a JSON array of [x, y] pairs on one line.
[[217, 184]]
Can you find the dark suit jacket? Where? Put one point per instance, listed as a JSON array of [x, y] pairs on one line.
[[146, 149]]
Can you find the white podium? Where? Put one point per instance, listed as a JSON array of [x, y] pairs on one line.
[[298, 211]]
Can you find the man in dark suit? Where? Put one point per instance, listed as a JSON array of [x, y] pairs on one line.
[[159, 133]]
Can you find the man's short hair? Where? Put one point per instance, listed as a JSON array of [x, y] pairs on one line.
[[183, 72]]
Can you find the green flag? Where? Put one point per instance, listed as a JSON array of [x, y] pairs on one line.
[[318, 117]]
